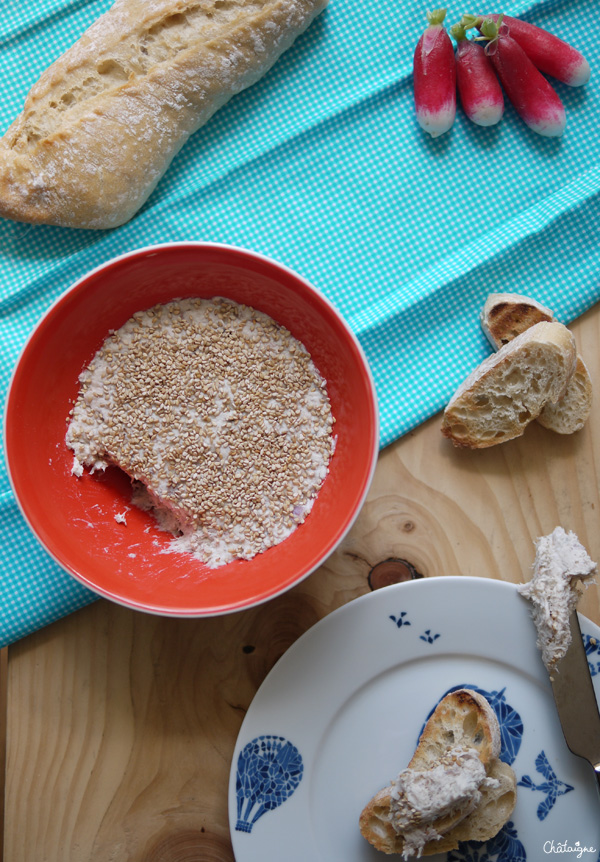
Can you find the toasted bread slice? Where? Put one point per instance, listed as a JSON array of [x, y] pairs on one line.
[[376, 823], [506, 315], [511, 387], [493, 811], [463, 719]]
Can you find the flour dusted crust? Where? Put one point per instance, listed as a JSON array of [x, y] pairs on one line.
[[465, 722], [102, 124]]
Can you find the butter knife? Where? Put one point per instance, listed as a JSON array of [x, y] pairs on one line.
[[576, 701]]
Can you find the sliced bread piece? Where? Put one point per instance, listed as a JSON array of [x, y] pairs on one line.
[[493, 811], [573, 410], [511, 387], [463, 720], [506, 315]]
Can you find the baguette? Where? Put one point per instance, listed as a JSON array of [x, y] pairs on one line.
[[101, 126], [506, 315], [463, 720], [511, 387]]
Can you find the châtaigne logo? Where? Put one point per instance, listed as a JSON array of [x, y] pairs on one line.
[[578, 849]]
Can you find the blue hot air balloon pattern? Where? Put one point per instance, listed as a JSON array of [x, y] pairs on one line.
[[269, 769]]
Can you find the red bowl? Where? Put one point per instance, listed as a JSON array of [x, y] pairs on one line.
[[74, 519]]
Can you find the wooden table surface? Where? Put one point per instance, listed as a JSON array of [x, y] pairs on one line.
[[119, 727]]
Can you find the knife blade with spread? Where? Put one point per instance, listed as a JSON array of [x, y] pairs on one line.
[[561, 565], [576, 700]]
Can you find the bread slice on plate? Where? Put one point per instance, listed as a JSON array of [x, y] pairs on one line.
[[462, 722], [462, 719], [511, 387], [506, 315]]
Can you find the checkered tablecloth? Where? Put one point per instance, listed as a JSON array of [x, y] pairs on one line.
[[321, 166]]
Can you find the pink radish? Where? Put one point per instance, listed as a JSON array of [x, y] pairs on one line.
[[549, 53], [478, 86], [434, 77], [531, 95]]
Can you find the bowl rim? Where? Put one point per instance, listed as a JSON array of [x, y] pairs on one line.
[[99, 592]]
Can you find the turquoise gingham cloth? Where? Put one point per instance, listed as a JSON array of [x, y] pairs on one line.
[[321, 166]]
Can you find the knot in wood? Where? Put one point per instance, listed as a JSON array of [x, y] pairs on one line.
[[392, 571]]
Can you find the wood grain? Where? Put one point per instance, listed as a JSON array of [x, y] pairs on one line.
[[121, 726]]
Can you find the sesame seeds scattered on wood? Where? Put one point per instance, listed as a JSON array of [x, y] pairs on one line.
[[218, 413]]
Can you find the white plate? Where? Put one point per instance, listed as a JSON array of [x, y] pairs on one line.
[[340, 714]]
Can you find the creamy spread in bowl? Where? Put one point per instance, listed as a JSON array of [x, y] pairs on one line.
[[220, 418]]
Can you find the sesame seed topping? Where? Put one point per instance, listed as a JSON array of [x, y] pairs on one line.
[[220, 417]]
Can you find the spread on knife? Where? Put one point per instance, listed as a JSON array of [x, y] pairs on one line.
[[220, 417], [561, 565]]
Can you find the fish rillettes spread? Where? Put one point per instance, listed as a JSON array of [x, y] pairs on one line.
[[561, 565], [219, 416], [419, 798]]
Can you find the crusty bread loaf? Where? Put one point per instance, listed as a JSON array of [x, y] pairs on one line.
[[511, 387], [506, 315], [103, 123], [463, 719]]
